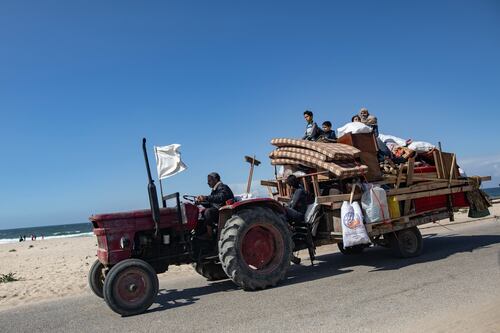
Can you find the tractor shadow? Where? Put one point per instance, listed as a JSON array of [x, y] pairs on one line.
[[435, 247], [174, 298]]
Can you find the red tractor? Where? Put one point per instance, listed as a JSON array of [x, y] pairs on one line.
[[252, 245]]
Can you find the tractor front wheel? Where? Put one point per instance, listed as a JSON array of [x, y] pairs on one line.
[[96, 278], [130, 287], [255, 248]]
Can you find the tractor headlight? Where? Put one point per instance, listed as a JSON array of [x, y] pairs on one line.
[[124, 242]]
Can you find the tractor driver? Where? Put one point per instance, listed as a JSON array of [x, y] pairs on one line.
[[217, 198], [297, 207]]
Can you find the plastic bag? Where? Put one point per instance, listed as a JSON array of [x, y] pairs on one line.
[[354, 128], [353, 229], [374, 203], [391, 138], [243, 197], [421, 146]]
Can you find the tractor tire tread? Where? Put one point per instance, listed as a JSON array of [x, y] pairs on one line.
[[230, 257]]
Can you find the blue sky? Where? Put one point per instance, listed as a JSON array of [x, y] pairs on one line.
[[81, 82]]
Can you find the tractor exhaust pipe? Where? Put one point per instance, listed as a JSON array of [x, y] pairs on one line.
[[153, 196]]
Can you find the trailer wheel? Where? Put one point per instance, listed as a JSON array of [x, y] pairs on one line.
[[130, 287], [353, 250], [406, 243], [96, 278], [255, 248], [210, 270]]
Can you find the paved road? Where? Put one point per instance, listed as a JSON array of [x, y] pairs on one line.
[[453, 285]]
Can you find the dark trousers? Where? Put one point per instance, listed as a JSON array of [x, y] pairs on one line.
[[294, 216], [210, 219], [211, 216]]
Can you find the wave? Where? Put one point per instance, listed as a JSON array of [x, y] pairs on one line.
[[16, 240]]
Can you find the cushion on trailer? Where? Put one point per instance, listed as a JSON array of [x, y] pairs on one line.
[[281, 152], [336, 151], [341, 169]]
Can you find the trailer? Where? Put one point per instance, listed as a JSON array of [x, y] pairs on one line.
[[417, 192]]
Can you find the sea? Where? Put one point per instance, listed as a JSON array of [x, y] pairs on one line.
[[494, 192], [85, 229], [48, 232]]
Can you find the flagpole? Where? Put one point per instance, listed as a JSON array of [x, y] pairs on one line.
[[163, 202]]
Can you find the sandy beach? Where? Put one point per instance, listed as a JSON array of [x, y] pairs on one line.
[[55, 268], [50, 269]]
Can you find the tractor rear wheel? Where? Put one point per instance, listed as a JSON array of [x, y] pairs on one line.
[[96, 278], [130, 287], [210, 270], [255, 248], [406, 243]]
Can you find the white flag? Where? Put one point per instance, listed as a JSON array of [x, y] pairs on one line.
[[168, 161]]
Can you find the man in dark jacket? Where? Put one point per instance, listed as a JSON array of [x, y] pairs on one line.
[[217, 198], [298, 205], [312, 130]]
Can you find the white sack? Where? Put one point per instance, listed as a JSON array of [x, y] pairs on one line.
[[391, 138], [374, 203], [243, 197], [421, 146], [353, 229], [354, 128], [168, 161]]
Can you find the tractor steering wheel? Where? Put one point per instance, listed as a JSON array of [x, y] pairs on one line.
[[190, 198]]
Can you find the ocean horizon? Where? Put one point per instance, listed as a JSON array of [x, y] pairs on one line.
[[46, 232]]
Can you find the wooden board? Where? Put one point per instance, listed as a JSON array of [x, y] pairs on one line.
[[365, 142], [434, 193], [392, 179], [409, 181], [371, 161], [443, 165], [417, 188], [271, 183]]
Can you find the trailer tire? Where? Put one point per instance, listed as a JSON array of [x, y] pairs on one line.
[[96, 278], [353, 250], [255, 248], [210, 270], [130, 287], [406, 243]]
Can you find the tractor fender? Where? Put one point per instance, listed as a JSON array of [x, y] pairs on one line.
[[227, 211]]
